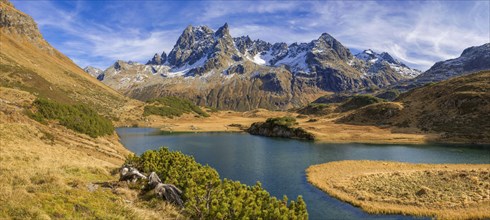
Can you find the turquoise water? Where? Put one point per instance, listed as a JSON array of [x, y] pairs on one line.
[[279, 164]]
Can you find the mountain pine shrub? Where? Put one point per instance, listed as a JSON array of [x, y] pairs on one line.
[[206, 196], [172, 107], [79, 118]]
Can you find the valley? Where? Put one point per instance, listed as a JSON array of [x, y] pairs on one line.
[[324, 127], [233, 122]]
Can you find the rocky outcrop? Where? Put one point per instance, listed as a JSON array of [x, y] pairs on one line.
[[271, 128], [16, 23]]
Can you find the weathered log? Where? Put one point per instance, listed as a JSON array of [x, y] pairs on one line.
[[168, 192], [128, 173]]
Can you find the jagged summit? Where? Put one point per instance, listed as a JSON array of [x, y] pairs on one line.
[[223, 31], [199, 49], [215, 69], [158, 59]]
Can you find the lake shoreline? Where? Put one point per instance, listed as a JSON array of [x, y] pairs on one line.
[[350, 181], [295, 156], [324, 128]]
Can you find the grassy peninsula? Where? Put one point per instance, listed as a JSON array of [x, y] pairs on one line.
[[445, 191]]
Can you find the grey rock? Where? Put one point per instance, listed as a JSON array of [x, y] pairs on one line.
[[93, 71]]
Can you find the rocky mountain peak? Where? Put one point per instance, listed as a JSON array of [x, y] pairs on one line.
[[477, 50], [223, 31], [326, 42], [94, 71], [192, 45], [158, 59], [370, 56], [381, 62], [120, 64], [224, 42], [388, 58], [243, 43], [472, 59]]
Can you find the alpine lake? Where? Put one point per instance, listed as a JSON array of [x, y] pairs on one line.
[[279, 164]]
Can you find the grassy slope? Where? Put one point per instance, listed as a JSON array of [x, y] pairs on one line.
[[49, 171], [456, 109], [459, 108]]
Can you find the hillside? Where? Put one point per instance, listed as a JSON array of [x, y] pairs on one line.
[[457, 109], [29, 63], [214, 69], [471, 60], [50, 163]]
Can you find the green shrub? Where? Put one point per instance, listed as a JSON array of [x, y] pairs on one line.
[[284, 121], [172, 107], [206, 196], [80, 118]]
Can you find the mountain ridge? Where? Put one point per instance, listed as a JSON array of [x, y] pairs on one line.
[[201, 54]]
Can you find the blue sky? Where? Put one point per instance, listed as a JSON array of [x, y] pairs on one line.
[[419, 33]]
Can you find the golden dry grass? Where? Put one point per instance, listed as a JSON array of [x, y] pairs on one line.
[[325, 128], [445, 191], [48, 171]]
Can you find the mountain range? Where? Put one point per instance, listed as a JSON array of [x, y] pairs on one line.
[[214, 69]]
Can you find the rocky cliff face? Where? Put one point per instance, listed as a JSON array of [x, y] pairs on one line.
[[472, 60], [213, 68], [16, 23]]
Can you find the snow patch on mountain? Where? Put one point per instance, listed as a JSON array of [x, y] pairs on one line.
[[297, 62], [182, 71], [375, 61], [258, 59]]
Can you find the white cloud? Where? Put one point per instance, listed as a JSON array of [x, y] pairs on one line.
[[219, 9], [417, 33]]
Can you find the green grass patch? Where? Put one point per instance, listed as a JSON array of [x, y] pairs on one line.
[[359, 101], [79, 118], [206, 196], [172, 107], [390, 95]]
